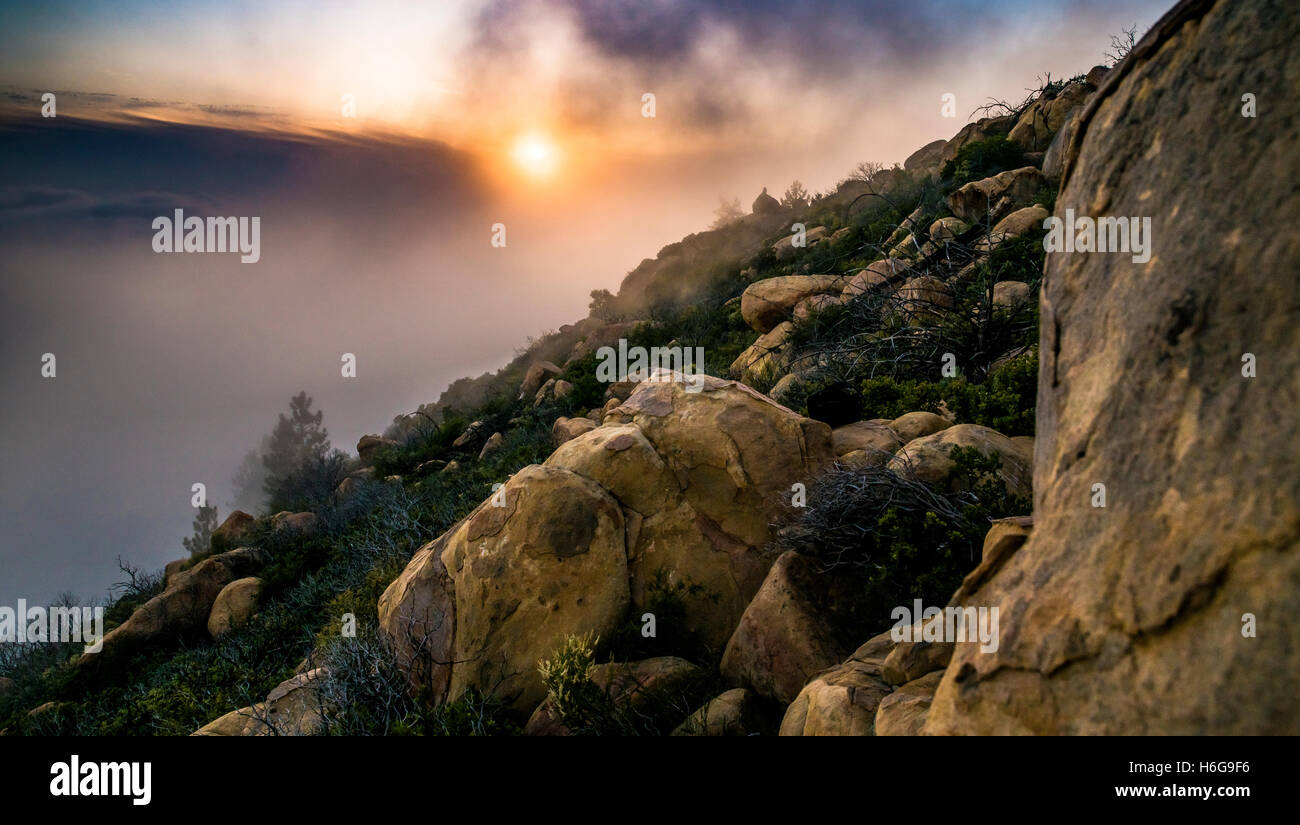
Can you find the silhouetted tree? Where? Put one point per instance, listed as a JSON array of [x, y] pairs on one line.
[[205, 521], [299, 445], [728, 212], [795, 197]]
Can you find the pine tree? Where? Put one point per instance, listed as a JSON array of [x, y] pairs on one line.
[[204, 523], [297, 441]]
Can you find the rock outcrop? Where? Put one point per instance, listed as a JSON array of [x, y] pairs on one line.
[[1137, 617], [234, 606], [182, 608], [677, 486], [766, 303]]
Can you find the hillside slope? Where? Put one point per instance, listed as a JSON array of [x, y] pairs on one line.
[[574, 546]]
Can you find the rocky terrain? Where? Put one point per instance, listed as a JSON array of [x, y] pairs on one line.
[[907, 399]]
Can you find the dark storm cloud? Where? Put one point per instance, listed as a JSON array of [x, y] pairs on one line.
[[819, 37]]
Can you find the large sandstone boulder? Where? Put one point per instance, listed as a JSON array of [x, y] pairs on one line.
[[1054, 157], [305, 523], [368, 445], [913, 425], [566, 429], [293, 708], [924, 296], [996, 197], [1042, 118], [865, 435], [171, 569], [709, 473], [927, 458], [231, 531], [1171, 609], [1019, 222], [784, 637], [814, 304], [876, 275], [483, 604], [765, 356], [927, 157], [536, 375], [235, 605], [766, 303], [948, 229]]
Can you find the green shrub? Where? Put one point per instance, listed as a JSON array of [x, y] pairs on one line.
[[1005, 402], [888, 539], [980, 159], [587, 709]]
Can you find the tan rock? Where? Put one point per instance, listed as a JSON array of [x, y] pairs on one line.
[[1014, 225], [567, 429], [948, 229], [1011, 293], [843, 700], [536, 375], [501, 591], [368, 445], [171, 569], [865, 435], [490, 446], [913, 425], [996, 196], [903, 712], [1129, 619], [734, 454], [232, 531], [927, 157], [981, 129], [785, 248], [733, 713], [180, 609], [924, 295], [235, 605], [764, 356], [783, 638], [812, 305], [306, 523], [1044, 117], [766, 303], [1006, 536], [910, 660], [927, 458]]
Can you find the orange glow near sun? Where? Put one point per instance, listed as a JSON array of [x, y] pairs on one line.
[[535, 154]]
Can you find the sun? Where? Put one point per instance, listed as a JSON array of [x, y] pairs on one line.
[[535, 154]]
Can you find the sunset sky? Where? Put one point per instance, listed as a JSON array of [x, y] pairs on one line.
[[375, 229]]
